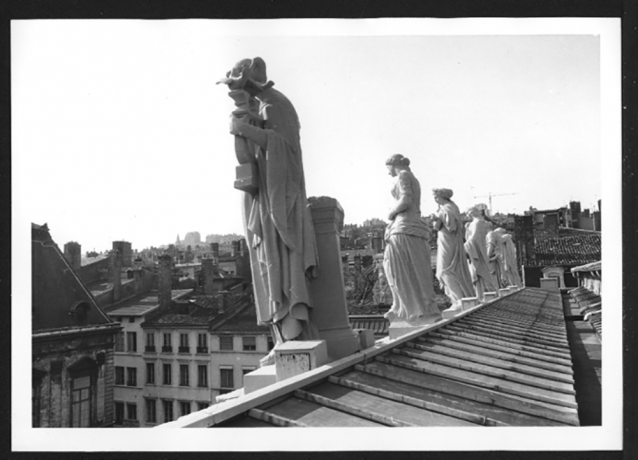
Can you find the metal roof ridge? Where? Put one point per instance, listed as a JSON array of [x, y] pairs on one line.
[[226, 410]]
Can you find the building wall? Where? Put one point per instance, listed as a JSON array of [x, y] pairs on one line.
[[53, 357], [237, 359], [95, 271]]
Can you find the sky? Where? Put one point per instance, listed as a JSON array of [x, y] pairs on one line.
[[120, 132]]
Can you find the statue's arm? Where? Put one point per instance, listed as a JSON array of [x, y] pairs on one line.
[[405, 196], [242, 127]]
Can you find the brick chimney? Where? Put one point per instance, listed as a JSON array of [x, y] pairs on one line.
[[126, 252], [209, 270], [115, 274], [165, 274], [73, 254], [214, 247]]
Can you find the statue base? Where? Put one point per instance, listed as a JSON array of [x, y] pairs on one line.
[[296, 357], [400, 328], [260, 378], [452, 311]]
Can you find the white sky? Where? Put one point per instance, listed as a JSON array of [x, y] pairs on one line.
[[119, 131]]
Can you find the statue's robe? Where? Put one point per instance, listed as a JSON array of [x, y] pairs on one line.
[[476, 248]]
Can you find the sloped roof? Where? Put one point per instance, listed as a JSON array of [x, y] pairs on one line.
[[243, 320], [568, 250], [590, 305], [56, 288], [506, 362], [592, 267]]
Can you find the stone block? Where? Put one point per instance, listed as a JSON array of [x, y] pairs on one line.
[[400, 328], [550, 283], [488, 296], [366, 338], [296, 357], [452, 312], [260, 378], [469, 302], [502, 292]]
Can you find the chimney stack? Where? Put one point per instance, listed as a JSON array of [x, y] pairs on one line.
[[73, 254], [165, 273], [236, 248], [214, 247], [209, 270], [125, 251], [115, 274]]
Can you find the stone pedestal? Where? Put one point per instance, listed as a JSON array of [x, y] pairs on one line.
[[488, 296], [550, 283], [330, 310], [296, 356], [469, 302], [260, 378], [452, 312], [504, 291], [400, 328], [366, 338]]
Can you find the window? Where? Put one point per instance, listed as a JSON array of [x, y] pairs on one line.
[[131, 319], [202, 343], [131, 376], [167, 347], [226, 342], [249, 343], [166, 378], [119, 413], [150, 341], [185, 407], [131, 411], [183, 343], [119, 341], [226, 376], [81, 402], [183, 375], [167, 405], [202, 376], [131, 341], [119, 375], [151, 411], [150, 373], [202, 405]]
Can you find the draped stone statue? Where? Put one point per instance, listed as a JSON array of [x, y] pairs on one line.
[[510, 264], [495, 257], [476, 249], [406, 259], [278, 224], [452, 268]]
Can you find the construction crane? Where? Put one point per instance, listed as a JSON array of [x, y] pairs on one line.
[[489, 197]]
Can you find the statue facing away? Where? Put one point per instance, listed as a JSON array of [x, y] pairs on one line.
[[476, 249], [452, 268], [406, 260], [278, 224], [495, 257], [510, 265]]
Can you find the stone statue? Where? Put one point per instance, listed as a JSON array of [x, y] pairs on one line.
[[278, 224], [452, 268], [510, 264], [406, 260], [476, 249], [495, 257]]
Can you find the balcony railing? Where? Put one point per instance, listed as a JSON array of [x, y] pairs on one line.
[[150, 348], [167, 349], [184, 349], [202, 349]]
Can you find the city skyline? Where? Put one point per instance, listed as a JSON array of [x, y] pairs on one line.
[[133, 132]]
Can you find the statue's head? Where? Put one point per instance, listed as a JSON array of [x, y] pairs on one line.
[[397, 162], [476, 211], [245, 71], [442, 194]]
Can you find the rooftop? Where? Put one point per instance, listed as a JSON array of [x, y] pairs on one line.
[[502, 363], [575, 249]]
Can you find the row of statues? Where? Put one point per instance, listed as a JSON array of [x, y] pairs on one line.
[[471, 259], [280, 233]]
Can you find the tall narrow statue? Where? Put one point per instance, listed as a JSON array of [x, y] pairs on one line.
[[476, 249], [452, 269], [406, 260], [510, 265], [495, 257], [278, 224]]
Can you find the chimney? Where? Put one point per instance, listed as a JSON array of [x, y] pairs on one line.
[[236, 248], [125, 250], [377, 243], [214, 247], [115, 274], [73, 254], [243, 247], [209, 270], [165, 274]]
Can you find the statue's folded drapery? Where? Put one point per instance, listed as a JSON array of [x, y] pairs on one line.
[[452, 269], [278, 223], [476, 248], [510, 265]]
